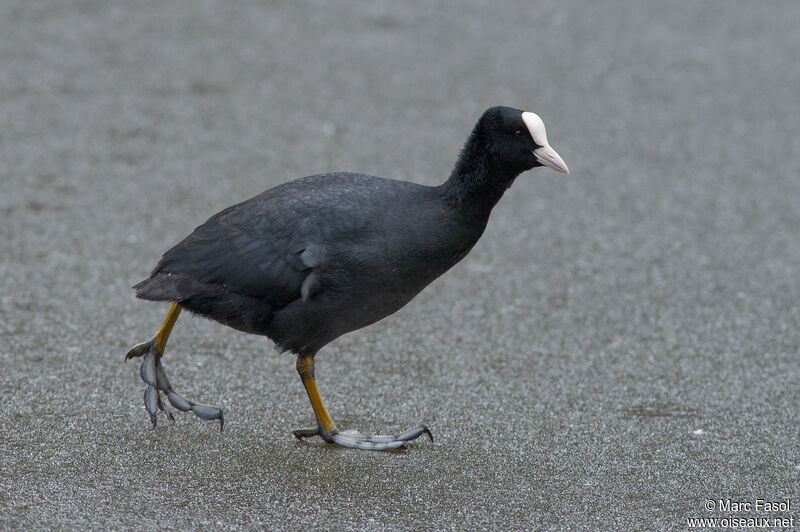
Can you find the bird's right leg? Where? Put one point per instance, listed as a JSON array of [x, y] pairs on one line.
[[153, 375], [326, 428]]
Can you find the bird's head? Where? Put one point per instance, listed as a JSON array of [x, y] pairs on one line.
[[517, 140]]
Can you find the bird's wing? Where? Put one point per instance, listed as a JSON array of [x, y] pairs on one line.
[[273, 245], [269, 255]]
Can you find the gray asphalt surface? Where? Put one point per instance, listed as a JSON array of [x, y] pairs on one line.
[[619, 348]]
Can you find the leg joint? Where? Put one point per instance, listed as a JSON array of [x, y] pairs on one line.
[[305, 366]]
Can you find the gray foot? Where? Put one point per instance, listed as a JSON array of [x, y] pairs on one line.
[[153, 375], [355, 440]]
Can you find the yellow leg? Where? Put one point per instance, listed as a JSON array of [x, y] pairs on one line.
[[305, 367], [326, 428], [166, 327]]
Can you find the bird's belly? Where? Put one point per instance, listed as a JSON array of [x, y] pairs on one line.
[[341, 307]]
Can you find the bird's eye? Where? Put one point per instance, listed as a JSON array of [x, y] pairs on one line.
[[518, 133]]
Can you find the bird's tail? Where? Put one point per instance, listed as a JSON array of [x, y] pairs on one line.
[[166, 287], [211, 300]]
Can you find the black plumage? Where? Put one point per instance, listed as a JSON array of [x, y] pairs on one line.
[[309, 260]]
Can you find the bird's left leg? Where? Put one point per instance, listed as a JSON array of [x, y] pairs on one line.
[[153, 374], [327, 430]]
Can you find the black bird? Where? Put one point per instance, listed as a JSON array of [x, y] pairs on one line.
[[309, 260]]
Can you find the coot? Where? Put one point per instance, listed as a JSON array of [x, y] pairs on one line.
[[309, 260]]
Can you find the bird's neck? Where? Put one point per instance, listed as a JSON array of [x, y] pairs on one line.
[[477, 183]]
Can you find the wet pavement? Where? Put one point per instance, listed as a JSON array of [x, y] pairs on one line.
[[620, 348]]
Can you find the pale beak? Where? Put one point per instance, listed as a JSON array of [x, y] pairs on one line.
[[547, 156]]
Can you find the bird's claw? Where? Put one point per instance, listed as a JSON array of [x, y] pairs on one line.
[[355, 440], [140, 349], [153, 374]]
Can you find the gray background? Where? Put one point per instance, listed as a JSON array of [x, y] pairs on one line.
[[621, 345]]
